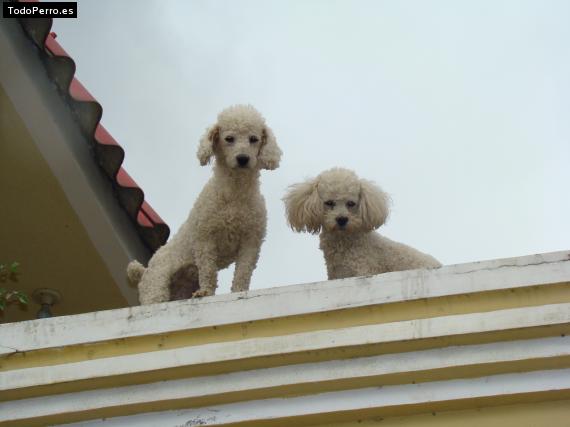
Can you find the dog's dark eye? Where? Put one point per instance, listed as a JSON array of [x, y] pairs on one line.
[[253, 139], [229, 139], [350, 204], [330, 203]]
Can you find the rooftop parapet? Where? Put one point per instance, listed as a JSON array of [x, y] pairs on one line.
[[422, 341]]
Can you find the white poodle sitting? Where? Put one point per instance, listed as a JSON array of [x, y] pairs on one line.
[[346, 210], [228, 221]]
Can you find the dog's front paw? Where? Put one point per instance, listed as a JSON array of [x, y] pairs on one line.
[[203, 293], [239, 288]]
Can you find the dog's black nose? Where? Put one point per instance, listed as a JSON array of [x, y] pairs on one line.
[[341, 220], [242, 160]]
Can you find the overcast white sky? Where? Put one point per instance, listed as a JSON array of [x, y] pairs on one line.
[[459, 109]]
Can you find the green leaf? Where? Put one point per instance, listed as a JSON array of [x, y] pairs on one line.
[[14, 267], [22, 298], [2, 305]]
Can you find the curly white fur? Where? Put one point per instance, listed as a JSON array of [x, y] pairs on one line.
[[346, 210], [228, 221]]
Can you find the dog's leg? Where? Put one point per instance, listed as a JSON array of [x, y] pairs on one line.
[[205, 258], [155, 281], [184, 283], [154, 284], [245, 263]]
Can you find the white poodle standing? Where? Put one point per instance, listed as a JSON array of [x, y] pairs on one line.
[[228, 221], [346, 210]]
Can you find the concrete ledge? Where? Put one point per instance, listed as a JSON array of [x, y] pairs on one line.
[[468, 335], [544, 270], [271, 351], [378, 401], [411, 367]]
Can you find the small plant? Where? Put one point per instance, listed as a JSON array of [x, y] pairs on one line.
[[10, 273]]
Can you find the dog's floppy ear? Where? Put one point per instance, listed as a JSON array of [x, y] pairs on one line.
[[206, 147], [304, 207], [270, 153], [374, 205]]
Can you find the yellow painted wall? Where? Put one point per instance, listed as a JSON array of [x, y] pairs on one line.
[[40, 229]]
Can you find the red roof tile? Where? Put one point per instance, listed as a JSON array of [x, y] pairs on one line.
[[87, 113]]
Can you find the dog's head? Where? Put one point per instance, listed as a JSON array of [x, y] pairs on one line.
[[336, 201], [240, 140]]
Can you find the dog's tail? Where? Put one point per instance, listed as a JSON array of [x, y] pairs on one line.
[[135, 270]]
